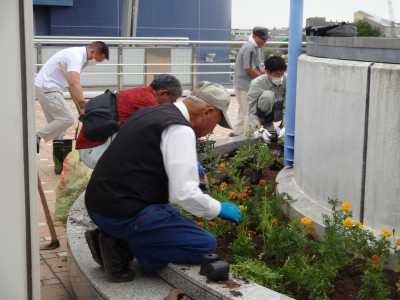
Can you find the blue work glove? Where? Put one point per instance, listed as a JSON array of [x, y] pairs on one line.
[[201, 170], [230, 211]]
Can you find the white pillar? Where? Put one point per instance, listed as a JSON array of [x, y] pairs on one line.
[[19, 247]]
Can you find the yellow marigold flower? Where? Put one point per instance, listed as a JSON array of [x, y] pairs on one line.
[[348, 222], [346, 206], [231, 195], [243, 207], [360, 225], [386, 233], [223, 185], [221, 167], [305, 221], [274, 221], [375, 258], [397, 242]]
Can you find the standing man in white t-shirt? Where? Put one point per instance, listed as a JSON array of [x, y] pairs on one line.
[[60, 72]]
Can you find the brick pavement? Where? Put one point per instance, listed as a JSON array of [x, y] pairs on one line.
[[55, 283]]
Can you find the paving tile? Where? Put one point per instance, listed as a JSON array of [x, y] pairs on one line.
[[51, 281], [64, 277], [58, 264], [45, 272], [54, 292]]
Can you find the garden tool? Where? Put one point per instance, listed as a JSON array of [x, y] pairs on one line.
[[61, 148], [54, 243]]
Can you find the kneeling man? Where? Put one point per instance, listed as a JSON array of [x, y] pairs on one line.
[[151, 163]]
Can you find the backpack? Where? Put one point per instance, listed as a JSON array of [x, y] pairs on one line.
[[101, 118], [342, 29]]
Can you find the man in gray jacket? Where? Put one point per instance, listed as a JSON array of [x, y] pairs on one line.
[[266, 95], [247, 67]]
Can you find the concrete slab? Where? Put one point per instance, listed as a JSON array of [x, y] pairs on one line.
[[383, 50], [330, 117], [382, 188]]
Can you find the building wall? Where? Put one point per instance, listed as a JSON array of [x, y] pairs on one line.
[[195, 19], [82, 18]]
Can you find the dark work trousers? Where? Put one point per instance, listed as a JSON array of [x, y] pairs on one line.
[[159, 235]]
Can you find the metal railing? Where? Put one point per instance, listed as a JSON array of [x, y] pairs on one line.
[[195, 68]]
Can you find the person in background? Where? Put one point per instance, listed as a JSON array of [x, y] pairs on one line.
[[163, 89], [247, 67], [61, 72], [266, 97]]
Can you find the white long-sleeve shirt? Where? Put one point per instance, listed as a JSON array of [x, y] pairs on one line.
[[178, 147]]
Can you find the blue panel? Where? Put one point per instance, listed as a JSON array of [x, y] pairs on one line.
[[54, 2], [85, 18], [215, 14], [41, 16], [174, 14]]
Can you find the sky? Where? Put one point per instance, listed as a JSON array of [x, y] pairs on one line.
[[275, 13]]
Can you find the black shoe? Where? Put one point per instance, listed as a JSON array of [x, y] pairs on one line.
[[116, 257], [92, 239], [61, 148]]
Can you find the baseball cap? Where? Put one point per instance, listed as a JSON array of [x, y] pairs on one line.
[[215, 95], [261, 32]]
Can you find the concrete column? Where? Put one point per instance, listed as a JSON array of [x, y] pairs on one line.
[[19, 259]]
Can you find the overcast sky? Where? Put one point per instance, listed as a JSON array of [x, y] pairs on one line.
[[249, 13]]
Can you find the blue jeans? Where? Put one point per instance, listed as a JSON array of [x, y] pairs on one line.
[[159, 235]]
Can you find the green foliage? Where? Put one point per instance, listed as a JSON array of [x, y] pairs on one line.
[[366, 29], [373, 286], [243, 245], [258, 272]]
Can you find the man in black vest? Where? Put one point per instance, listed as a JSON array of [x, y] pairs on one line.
[[151, 163]]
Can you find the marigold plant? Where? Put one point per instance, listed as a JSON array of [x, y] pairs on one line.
[[305, 221], [348, 222], [346, 206]]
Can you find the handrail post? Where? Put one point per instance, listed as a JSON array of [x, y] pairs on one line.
[[194, 67], [295, 43], [120, 68]]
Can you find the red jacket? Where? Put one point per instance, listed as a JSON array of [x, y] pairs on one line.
[[128, 101]]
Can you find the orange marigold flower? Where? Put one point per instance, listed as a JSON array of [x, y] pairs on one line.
[[305, 221], [211, 223], [397, 242], [252, 232], [231, 195], [262, 182], [348, 222], [386, 233], [243, 197], [221, 167], [223, 185], [274, 221], [346, 206], [375, 258]]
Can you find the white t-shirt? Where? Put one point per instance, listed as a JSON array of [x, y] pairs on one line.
[[52, 76]]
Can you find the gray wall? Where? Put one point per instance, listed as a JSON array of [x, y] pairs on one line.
[[382, 190], [332, 140], [18, 179], [329, 128]]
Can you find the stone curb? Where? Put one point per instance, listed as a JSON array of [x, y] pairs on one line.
[[89, 282]]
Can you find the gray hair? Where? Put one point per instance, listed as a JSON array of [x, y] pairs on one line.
[[167, 82]]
